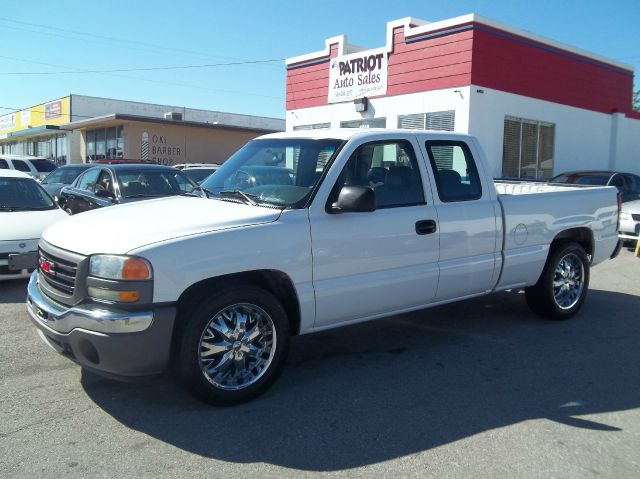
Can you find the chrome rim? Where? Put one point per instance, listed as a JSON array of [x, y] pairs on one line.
[[568, 281], [237, 346]]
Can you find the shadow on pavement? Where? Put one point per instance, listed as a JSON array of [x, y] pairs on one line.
[[385, 389], [13, 291]]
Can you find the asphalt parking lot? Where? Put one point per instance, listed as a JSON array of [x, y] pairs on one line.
[[481, 388]]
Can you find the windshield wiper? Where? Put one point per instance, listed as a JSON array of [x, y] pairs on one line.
[[241, 194]]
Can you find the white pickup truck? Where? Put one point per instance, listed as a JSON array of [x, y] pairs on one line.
[[302, 232]]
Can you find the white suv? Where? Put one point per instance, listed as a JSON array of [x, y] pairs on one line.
[[35, 166]]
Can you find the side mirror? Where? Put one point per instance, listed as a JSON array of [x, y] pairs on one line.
[[355, 199]]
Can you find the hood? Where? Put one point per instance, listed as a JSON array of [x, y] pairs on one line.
[[21, 225], [122, 228], [631, 207]]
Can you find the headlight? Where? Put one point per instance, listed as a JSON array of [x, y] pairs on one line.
[[625, 216], [119, 267]]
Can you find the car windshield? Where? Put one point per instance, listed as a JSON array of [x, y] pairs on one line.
[[23, 194], [151, 182], [198, 174], [43, 166], [64, 175], [278, 172]]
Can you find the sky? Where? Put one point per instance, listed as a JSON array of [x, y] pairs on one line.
[[245, 43]]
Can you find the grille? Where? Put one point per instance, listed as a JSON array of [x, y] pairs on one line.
[[60, 274], [636, 217]]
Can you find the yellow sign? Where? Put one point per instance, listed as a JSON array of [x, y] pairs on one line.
[[55, 112]]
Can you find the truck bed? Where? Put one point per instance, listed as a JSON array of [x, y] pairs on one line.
[[535, 213]]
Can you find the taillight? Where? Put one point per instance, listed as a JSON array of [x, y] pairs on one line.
[[619, 211]]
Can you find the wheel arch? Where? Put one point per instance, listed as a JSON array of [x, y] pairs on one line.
[[582, 235], [276, 282]]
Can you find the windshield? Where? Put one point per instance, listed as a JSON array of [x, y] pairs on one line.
[[23, 194], [44, 166], [280, 172], [152, 182], [198, 174], [64, 175]]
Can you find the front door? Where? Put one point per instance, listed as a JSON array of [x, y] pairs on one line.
[[368, 264]]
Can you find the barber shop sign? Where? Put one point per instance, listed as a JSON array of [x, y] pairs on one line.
[[357, 75]]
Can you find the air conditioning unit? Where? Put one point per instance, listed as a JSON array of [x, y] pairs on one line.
[[173, 115]]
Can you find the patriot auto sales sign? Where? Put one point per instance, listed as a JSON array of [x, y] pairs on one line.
[[357, 75]]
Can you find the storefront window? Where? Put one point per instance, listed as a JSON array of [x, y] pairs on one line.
[[61, 150], [43, 148], [104, 143], [90, 143], [120, 142], [101, 146], [111, 142]]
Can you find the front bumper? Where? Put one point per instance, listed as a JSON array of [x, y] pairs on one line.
[[116, 343]]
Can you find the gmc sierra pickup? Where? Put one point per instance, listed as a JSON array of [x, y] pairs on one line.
[[302, 232]]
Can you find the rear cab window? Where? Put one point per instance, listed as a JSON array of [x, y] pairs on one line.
[[454, 170]]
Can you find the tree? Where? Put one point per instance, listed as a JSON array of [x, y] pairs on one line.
[[636, 100]]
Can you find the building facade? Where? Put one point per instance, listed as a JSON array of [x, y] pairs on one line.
[[538, 107], [79, 128]]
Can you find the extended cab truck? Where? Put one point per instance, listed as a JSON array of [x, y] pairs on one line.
[[365, 224]]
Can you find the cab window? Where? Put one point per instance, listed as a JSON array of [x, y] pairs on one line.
[[454, 170]]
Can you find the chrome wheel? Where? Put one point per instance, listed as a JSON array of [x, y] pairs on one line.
[[237, 346], [568, 281]]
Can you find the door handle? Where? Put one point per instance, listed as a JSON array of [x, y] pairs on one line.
[[426, 227]]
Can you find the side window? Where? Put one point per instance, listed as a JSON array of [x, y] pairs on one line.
[[454, 170], [88, 180], [105, 182], [21, 166], [390, 168], [3, 164]]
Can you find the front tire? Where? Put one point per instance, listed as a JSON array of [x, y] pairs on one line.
[[234, 345], [563, 285]]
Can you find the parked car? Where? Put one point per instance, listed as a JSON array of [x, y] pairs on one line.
[[215, 287], [630, 221], [34, 166], [107, 185], [25, 211], [199, 173], [628, 184], [63, 176]]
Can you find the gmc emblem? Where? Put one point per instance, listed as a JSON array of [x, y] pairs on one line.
[[46, 265]]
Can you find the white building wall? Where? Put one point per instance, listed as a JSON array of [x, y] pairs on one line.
[[582, 137], [388, 107], [628, 145]]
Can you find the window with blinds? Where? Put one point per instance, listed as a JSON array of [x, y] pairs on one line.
[[365, 123], [315, 126], [435, 120], [527, 150]]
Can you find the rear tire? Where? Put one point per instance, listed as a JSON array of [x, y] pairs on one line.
[[234, 345], [563, 284]]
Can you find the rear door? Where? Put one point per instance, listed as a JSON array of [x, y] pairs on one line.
[[469, 218], [367, 264]]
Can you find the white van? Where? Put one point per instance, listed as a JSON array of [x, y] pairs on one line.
[[35, 166]]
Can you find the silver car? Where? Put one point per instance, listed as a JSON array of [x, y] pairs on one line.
[[630, 220]]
